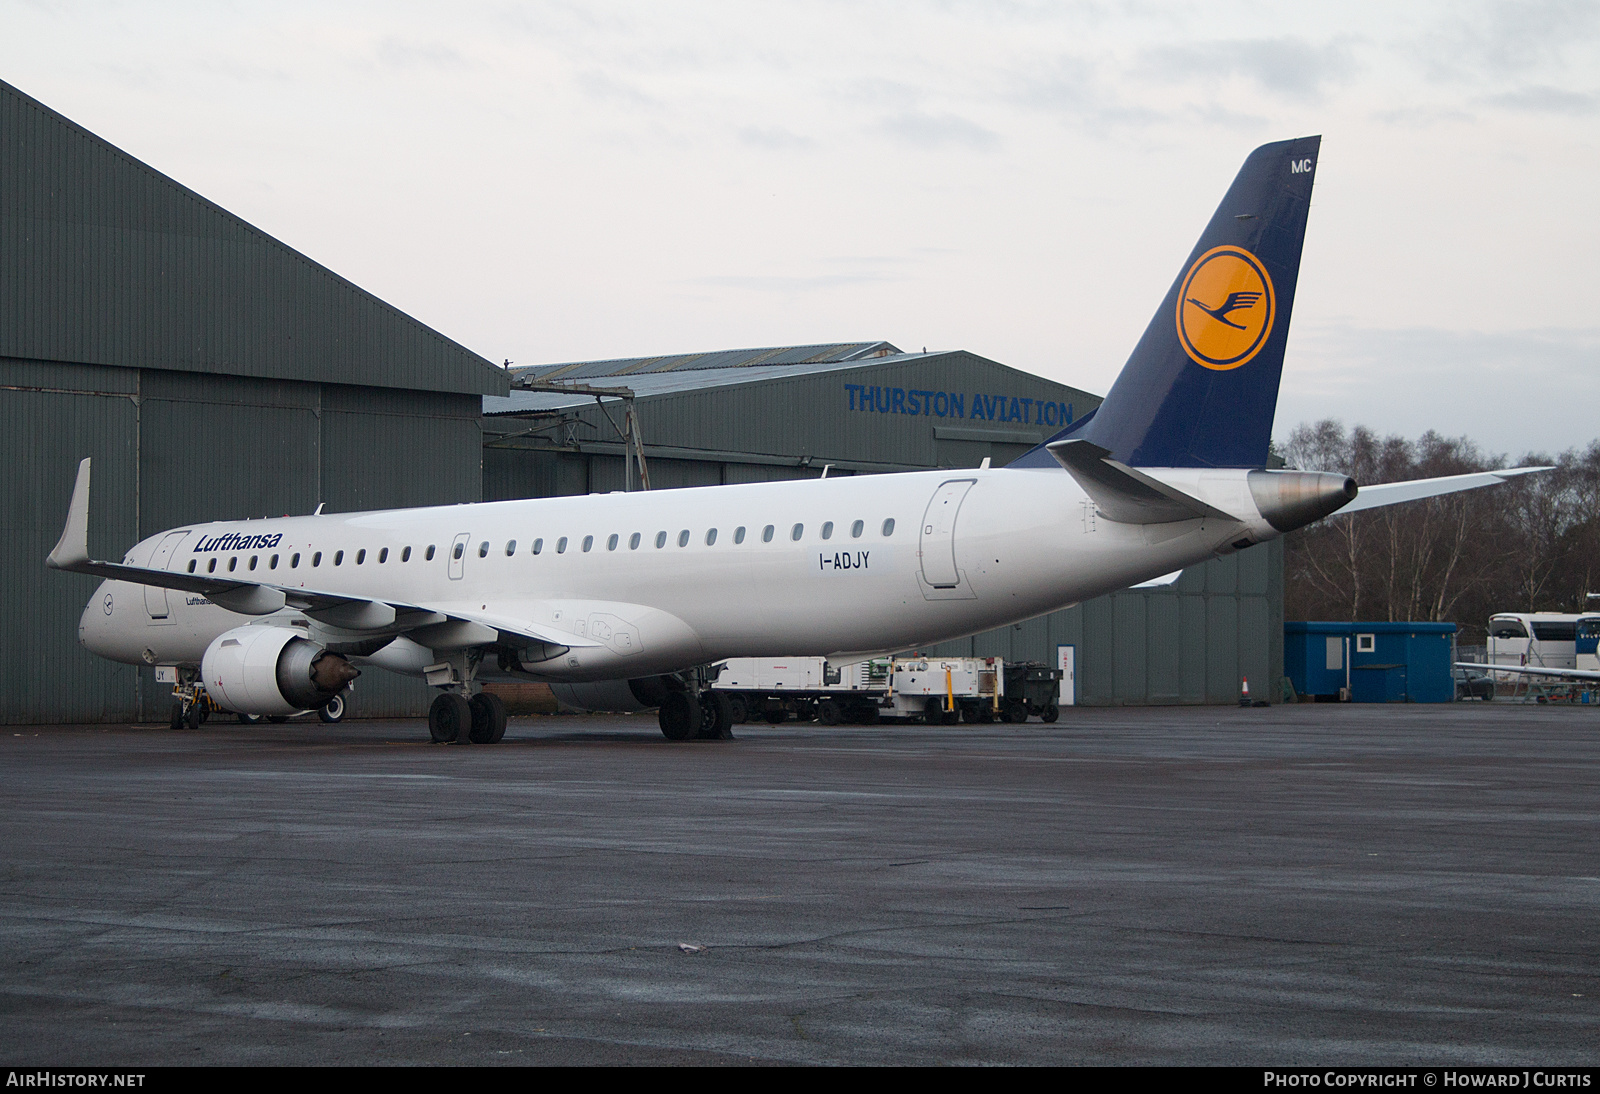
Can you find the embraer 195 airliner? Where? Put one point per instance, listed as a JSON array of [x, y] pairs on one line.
[[616, 599]]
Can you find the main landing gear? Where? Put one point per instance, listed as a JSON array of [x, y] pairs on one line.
[[686, 715], [454, 719]]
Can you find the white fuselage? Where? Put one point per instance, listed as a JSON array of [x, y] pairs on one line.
[[968, 551]]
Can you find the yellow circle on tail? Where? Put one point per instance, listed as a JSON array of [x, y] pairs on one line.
[[1225, 308]]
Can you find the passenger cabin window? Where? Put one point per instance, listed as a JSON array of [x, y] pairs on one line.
[[661, 539], [405, 554], [511, 547], [338, 558], [316, 559], [234, 562], [857, 528], [538, 545], [683, 538], [766, 534], [611, 542], [383, 556], [888, 527], [211, 566], [428, 557], [460, 549], [483, 549], [561, 545], [738, 534], [711, 536], [294, 560], [272, 563], [361, 556], [796, 532], [191, 565], [253, 561], [588, 542], [827, 529], [633, 541]]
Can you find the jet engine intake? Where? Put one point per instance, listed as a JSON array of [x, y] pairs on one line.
[[272, 670]]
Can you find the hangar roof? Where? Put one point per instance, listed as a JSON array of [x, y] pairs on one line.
[[689, 372], [833, 353], [106, 261]]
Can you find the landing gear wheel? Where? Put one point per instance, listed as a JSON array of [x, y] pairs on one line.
[[335, 709], [175, 720], [828, 713], [448, 718], [195, 716], [716, 717], [1050, 714], [488, 719], [679, 717], [249, 719]]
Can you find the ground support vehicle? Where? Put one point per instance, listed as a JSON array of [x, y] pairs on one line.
[[931, 690], [947, 689], [774, 689], [1031, 687]]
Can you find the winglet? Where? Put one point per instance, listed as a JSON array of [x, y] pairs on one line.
[[72, 549]]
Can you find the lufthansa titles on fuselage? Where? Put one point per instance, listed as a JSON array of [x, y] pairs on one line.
[[233, 541]]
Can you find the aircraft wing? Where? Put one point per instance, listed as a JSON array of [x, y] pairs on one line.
[[451, 628], [1528, 670]]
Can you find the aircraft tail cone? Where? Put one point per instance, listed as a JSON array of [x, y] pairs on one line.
[[1293, 499]]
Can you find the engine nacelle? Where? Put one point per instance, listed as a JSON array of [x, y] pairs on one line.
[[271, 670]]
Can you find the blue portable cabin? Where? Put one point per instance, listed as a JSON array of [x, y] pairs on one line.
[[1382, 662]]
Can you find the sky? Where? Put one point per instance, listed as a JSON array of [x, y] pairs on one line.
[[573, 181]]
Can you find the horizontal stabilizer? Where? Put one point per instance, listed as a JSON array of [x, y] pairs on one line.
[[1392, 493], [1123, 494], [1531, 670]]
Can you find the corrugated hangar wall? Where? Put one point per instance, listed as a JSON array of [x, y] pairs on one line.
[[1191, 642], [211, 372]]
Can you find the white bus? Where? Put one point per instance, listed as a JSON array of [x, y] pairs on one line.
[[1548, 640]]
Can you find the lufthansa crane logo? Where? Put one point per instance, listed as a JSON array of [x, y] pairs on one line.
[[1225, 308]]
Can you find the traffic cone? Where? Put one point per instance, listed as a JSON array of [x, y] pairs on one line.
[[1244, 691]]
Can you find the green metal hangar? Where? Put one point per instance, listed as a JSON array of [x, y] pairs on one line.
[[760, 415], [211, 372]]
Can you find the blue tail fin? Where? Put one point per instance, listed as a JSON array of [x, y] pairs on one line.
[[1201, 386]]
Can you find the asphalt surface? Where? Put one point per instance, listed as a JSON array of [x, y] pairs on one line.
[[1295, 885]]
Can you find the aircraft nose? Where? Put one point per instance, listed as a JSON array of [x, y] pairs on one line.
[[95, 624]]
